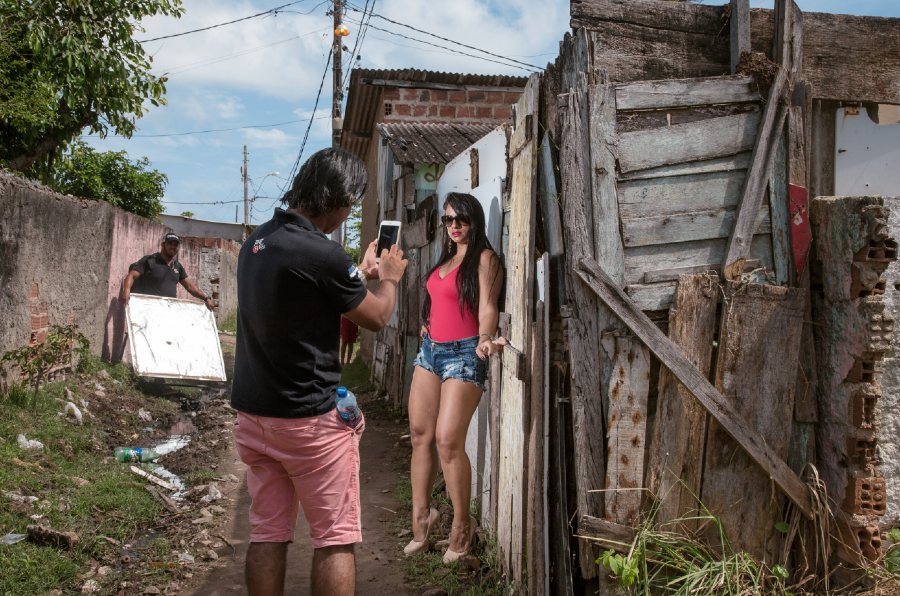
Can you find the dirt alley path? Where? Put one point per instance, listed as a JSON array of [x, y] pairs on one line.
[[377, 571]]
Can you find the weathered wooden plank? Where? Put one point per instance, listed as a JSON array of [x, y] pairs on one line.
[[496, 391], [673, 274], [680, 194], [559, 519], [583, 331], [731, 163], [519, 279], [685, 227], [651, 95], [686, 17], [627, 428], [641, 259], [657, 296], [764, 153], [550, 200], [611, 534], [740, 31], [682, 143], [676, 451], [607, 242], [779, 208], [756, 370], [715, 403], [535, 513]]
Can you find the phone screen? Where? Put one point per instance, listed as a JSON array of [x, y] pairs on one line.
[[387, 236]]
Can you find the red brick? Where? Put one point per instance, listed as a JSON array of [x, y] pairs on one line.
[[456, 96], [495, 97], [869, 541], [465, 112], [391, 94], [866, 496], [70, 319], [503, 113], [862, 452], [433, 111], [863, 369], [448, 112], [418, 111], [484, 112], [513, 96], [402, 109], [438, 95], [425, 95], [409, 94], [862, 409], [34, 291], [476, 96]]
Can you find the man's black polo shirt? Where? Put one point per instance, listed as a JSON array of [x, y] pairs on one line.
[[157, 278], [293, 285]]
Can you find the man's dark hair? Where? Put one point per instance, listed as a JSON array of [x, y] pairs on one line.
[[329, 180]]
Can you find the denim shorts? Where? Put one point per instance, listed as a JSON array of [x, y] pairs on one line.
[[453, 360]]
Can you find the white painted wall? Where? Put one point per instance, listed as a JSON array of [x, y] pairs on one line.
[[491, 176], [867, 154]]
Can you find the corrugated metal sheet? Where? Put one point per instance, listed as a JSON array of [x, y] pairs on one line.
[[415, 143], [364, 102]]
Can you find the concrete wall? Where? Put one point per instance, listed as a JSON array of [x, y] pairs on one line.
[[62, 261], [54, 263], [199, 228], [889, 404]]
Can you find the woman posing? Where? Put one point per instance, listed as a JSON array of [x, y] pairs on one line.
[[460, 319]]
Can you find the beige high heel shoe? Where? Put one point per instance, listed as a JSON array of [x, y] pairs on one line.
[[452, 556], [420, 546]]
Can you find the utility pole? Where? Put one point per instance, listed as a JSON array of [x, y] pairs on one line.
[[337, 121], [246, 197]]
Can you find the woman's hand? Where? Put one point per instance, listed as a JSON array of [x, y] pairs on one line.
[[489, 346]]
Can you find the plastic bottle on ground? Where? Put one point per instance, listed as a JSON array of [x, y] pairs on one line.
[[347, 407], [134, 454]]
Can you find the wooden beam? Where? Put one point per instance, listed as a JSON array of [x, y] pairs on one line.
[[680, 194], [682, 93], [535, 518], [732, 163], [652, 277], [714, 402], [740, 31], [763, 157], [684, 227]]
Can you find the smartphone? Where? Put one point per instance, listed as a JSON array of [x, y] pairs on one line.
[[388, 235]]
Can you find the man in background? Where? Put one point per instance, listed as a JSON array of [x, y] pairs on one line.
[[159, 274]]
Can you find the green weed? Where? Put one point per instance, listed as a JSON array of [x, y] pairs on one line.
[[229, 325]]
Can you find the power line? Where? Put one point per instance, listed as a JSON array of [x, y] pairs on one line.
[[384, 18], [358, 42], [290, 177], [212, 130], [253, 16], [460, 52]]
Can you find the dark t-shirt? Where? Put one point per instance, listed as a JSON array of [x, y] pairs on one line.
[[293, 285], [157, 278]]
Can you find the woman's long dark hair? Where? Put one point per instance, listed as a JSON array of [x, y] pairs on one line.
[[465, 205]]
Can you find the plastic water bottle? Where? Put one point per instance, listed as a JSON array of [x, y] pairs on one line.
[[347, 407], [134, 454]]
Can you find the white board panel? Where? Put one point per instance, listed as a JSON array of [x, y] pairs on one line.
[[171, 338]]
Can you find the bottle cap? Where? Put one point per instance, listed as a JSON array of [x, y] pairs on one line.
[[341, 391]]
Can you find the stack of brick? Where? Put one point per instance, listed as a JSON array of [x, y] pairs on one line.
[[854, 333], [458, 105]]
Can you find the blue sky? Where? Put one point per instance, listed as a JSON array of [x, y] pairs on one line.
[[265, 73]]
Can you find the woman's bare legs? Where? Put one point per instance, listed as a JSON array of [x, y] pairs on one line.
[[458, 401], [424, 401]]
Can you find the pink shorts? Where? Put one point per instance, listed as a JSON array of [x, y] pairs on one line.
[[308, 462]]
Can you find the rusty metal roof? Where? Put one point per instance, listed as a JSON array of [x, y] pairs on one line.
[[365, 106], [417, 142]]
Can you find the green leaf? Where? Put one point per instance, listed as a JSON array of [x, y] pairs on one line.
[[782, 527], [780, 572], [894, 534]]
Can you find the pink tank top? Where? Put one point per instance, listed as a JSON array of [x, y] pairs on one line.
[[447, 323]]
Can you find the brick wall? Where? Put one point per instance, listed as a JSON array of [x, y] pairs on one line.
[[460, 105]]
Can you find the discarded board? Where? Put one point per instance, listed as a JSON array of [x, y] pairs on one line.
[[171, 338], [756, 371], [676, 451]]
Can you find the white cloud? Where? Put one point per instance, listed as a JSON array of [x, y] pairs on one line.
[[272, 138]]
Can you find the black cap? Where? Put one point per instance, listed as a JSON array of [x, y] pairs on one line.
[[171, 237]]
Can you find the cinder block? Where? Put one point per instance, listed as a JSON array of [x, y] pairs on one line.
[[865, 280], [865, 496], [862, 409], [862, 453], [878, 252]]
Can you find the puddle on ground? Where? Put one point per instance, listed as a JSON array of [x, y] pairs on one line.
[[172, 444]]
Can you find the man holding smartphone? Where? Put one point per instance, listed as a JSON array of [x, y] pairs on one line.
[[294, 284]]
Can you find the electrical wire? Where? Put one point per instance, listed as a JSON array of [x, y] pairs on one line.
[[460, 52], [416, 29], [290, 177], [357, 44], [253, 16], [210, 130]]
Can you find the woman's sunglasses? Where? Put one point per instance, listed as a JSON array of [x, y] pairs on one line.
[[447, 220]]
